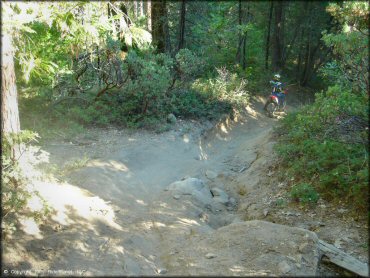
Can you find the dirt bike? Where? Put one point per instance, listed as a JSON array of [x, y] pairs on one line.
[[275, 103]]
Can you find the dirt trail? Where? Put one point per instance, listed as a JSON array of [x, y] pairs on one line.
[[112, 215]]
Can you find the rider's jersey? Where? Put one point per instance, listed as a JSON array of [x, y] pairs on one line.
[[277, 86]]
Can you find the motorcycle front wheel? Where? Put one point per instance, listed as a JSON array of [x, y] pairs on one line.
[[270, 108]]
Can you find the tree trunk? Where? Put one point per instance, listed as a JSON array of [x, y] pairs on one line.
[[158, 12], [182, 25], [308, 54], [136, 9], [149, 15], [141, 8], [244, 51], [277, 60], [244, 56], [167, 38], [9, 99], [288, 47], [298, 70], [238, 52], [268, 36]]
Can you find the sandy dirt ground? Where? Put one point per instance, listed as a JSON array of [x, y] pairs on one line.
[[112, 212]]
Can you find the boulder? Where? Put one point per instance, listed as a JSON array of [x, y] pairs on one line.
[[211, 175], [220, 196], [192, 186], [171, 118], [253, 248]]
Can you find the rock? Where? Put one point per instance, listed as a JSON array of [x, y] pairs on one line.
[[211, 175], [303, 248], [161, 271], [284, 267], [203, 217], [192, 186], [171, 118], [220, 196], [342, 210], [232, 202], [247, 244], [265, 212], [176, 197], [338, 243], [187, 186], [282, 184], [237, 220], [210, 256], [270, 173], [217, 192], [215, 207]]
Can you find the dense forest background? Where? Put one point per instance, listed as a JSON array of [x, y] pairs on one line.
[[137, 64]]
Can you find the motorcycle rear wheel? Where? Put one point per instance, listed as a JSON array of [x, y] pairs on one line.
[[271, 108]]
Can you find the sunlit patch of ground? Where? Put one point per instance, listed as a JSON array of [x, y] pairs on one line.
[[61, 198]]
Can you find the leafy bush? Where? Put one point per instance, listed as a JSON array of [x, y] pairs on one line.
[[189, 65], [156, 85], [326, 145], [304, 193], [227, 87], [14, 194]]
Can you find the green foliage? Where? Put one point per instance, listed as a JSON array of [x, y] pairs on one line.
[[326, 145], [304, 193], [281, 203], [76, 164], [10, 139], [155, 85], [14, 194], [351, 13], [227, 87], [349, 68], [189, 65]]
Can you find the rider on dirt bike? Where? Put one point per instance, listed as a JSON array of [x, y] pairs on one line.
[[277, 87]]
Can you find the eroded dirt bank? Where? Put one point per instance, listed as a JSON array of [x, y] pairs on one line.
[[115, 212]]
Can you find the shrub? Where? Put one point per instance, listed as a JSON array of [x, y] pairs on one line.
[[226, 87], [14, 195], [304, 193], [326, 145], [189, 66]]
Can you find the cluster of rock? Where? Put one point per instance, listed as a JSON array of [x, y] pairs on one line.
[[240, 247]]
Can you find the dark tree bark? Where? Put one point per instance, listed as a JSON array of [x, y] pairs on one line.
[[240, 32], [298, 70], [182, 25], [167, 37], [277, 60], [149, 15], [268, 36], [307, 62], [240, 54], [9, 98], [244, 51], [288, 47], [159, 22]]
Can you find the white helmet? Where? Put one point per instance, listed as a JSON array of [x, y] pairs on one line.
[[277, 77]]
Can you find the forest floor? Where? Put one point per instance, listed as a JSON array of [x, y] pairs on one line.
[[115, 214]]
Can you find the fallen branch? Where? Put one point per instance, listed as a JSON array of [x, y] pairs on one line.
[[343, 260]]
